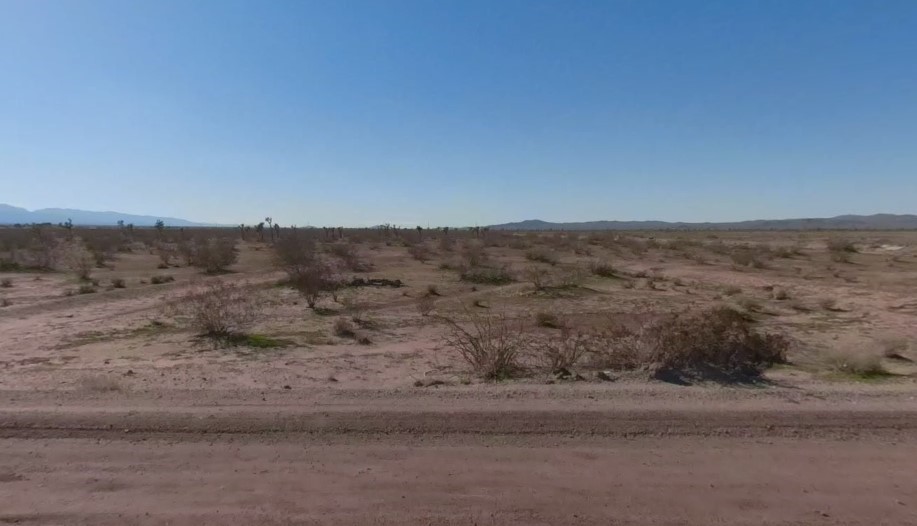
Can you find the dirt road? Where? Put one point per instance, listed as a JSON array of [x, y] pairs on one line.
[[454, 463]]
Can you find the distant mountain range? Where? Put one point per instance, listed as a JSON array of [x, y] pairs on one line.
[[10, 215], [845, 222]]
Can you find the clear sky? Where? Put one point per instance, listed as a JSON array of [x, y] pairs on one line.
[[437, 112]]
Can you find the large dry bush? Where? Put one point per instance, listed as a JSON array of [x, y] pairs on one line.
[[76, 258], [716, 343], [218, 309], [492, 345], [215, 255]]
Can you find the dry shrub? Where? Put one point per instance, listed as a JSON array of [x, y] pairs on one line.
[[169, 251], [349, 256], [548, 320], [717, 343], [215, 255], [749, 257], [473, 254], [564, 351], [344, 328], [840, 245], [99, 384], [425, 305], [77, 259], [542, 255], [492, 345], [6, 283], [159, 280], [118, 283], [420, 252], [219, 309], [487, 275], [314, 278], [602, 268]]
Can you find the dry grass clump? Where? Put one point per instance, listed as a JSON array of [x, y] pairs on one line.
[[218, 309], [857, 362], [492, 345]]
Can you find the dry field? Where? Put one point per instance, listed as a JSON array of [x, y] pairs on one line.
[[457, 377]]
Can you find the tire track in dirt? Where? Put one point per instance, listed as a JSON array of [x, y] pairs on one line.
[[549, 423]]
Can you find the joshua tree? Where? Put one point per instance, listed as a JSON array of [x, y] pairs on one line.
[[419, 233], [270, 226], [160, 226]]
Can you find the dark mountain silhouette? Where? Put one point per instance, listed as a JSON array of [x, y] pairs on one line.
[[10, 215], [844, 222]]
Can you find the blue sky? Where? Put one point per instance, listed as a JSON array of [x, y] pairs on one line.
[[459, 112]]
